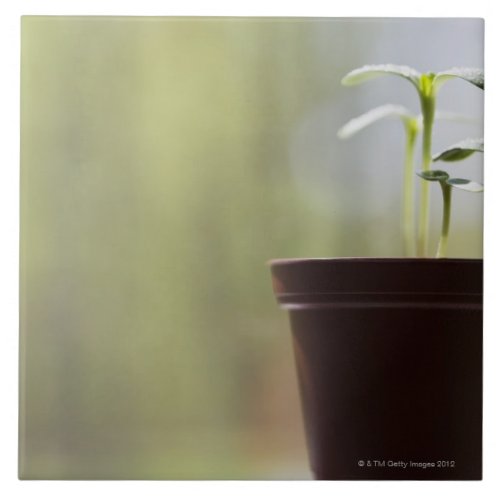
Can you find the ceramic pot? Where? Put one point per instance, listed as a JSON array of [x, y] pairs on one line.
[[389, 362]]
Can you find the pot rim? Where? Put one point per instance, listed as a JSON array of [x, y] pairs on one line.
[[345, 280], [298, 260]]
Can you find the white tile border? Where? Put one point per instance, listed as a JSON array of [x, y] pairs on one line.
[[10, 487]]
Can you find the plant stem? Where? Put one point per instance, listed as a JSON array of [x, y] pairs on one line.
[[445, 227], [411, 128], [427, 100]]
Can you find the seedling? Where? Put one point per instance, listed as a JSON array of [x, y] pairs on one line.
[[456, 152], [412, 125], [427, 86]]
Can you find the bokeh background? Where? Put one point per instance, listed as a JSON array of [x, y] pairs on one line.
[[163, 162]]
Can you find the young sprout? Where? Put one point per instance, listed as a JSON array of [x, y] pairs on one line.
[[412, 125], [427, 86], [456, 152], [461, 150]]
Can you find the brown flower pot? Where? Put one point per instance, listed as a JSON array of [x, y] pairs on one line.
[[389, 360]]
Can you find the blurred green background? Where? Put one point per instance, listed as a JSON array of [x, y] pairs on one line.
[[163, 162]]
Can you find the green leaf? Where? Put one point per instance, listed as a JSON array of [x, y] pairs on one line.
[[368, 72], [466, 185], [390, 111], [471, 75], [461, 150], [360, 122], [433, 175], [426, 86]]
